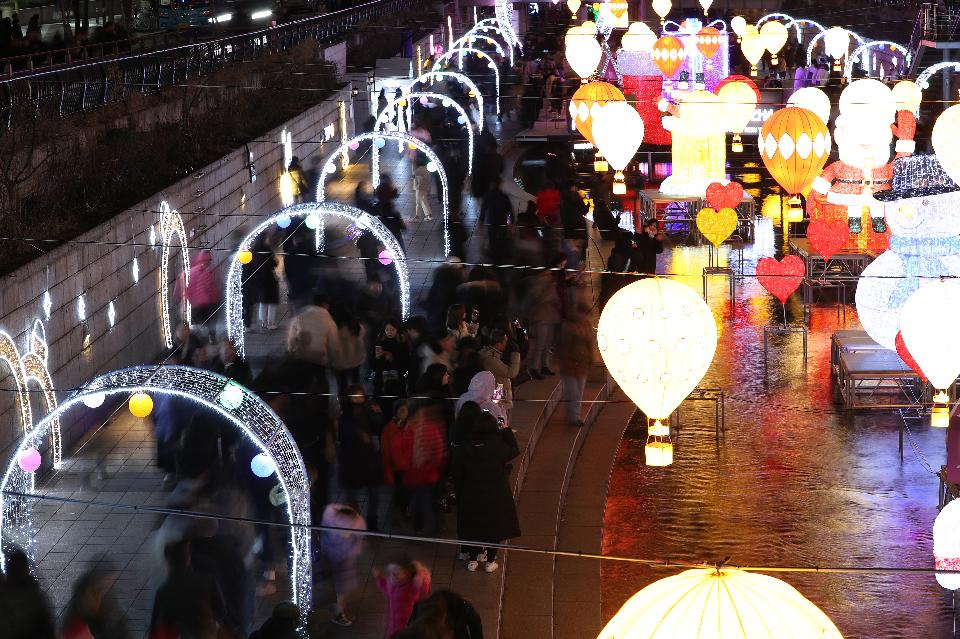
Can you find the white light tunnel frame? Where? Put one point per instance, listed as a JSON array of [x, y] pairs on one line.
[[448, 54], [252, 416], [468, 39], [855, 56], [172, 224], [923, 80], [813, 42], [440, 76], [326, 165], [445, 100], [365, 221]]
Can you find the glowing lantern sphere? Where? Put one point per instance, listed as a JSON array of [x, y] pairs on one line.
[[907, 96], [587, 103], [94, 401], [245, 257], [262, 466], [946, 132], [140, 404], [928, 325], [738, 25], [794, 144], [774, 35], [639, 37], [738, 103], [946, 545], [836, 42], [29, 460], [618, 133], [231, 397], [657, 338], [582, 50], [710, 603], [812, 99], [669, 54], [753, 47], [574, 6], [708, 41], [662, 8]]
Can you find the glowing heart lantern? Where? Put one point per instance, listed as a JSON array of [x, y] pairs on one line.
[[719, 603], [828, 237], [657, 338], [774, 36], [724, 196], [669, 54], [618, 133], [582, 50], [781, 278], [587, 102], [708, 41], [717, 224], [639, 37], [928, 324], [739, 96], [794, 145], [753, 47]]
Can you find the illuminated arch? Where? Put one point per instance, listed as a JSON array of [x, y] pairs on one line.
[[172, 224], [923, 80], [10, 354], [247, 412], [848, 67], [447, 55], [365, 221], [329, 167], [469, 38], [430, 76], [813, 42], [491, 25], [384, 117]]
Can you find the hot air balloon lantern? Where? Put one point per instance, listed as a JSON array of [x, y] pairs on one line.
[[794, 144], [774, 35], [618, 132], [587, 102], [753, 47], [708, 42], [669, 55], [662, 8], [739, 97]]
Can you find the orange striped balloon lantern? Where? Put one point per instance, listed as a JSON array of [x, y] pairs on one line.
[[587, 102], [669, 55], [794, 144], [708, 41]]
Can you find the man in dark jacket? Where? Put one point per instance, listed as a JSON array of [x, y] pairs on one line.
[[495, 213], [648, 245]]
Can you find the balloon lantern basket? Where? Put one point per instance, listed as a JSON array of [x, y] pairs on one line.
[[782, 330], [715, 395]]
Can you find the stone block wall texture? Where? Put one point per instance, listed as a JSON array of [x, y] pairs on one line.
[[98, 264]]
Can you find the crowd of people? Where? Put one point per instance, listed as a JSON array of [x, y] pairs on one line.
[[17, 40]]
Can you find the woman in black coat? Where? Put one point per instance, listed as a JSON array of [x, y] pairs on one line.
[[360, 465], [486, 511]]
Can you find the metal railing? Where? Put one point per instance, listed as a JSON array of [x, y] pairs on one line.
[[82, 87]]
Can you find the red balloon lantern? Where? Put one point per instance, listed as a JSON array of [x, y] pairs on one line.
[[738, 78], [907, 357], [708, 41], [669, 55], [781, 278]]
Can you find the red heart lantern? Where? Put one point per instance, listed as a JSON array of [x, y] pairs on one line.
[[724, 197], [907, 357], [781, 278], [827, 237]]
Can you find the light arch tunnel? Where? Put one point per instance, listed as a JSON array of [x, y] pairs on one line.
[[313, 214], [245, 410], [441, 76], [447, 58]]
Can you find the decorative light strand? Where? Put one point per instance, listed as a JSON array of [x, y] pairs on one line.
[[447, 55], [363, 220], [430, 76], [327, 167], [172, 224], [848, 68]]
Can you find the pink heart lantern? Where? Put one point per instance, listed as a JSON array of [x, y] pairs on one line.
[[827, 238], [724, 197], [781, 278]]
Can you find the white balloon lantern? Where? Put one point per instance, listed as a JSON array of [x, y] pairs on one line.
[[719, 603], [774, 36], [705, 5], [738, 25], [946, 545], [753, 46], [812, 99], [662, 8], [639, 37], [928, 326], [618, 133], [657, 338], [836, 42], [582, 50], [946, 132]]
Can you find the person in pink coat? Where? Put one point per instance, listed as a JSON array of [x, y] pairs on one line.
[[404, 582], [204, 292]]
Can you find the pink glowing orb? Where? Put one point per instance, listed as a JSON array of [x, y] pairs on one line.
[[29, 460], [354, 146], [385, 258]]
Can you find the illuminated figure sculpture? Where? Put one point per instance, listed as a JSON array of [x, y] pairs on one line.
[[863, 132], [699, 147]]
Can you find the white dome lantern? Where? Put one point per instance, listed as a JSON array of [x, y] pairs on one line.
[[946, 545]]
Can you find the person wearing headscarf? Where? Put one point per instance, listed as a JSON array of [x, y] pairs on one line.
[[480, 392]]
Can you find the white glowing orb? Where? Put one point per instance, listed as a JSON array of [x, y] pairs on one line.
[[231, 396], [262, 466], [94, 400]]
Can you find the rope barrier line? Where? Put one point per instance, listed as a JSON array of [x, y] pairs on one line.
[[655, 563]]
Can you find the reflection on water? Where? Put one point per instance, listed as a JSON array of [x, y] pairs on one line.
[[793, 482]]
